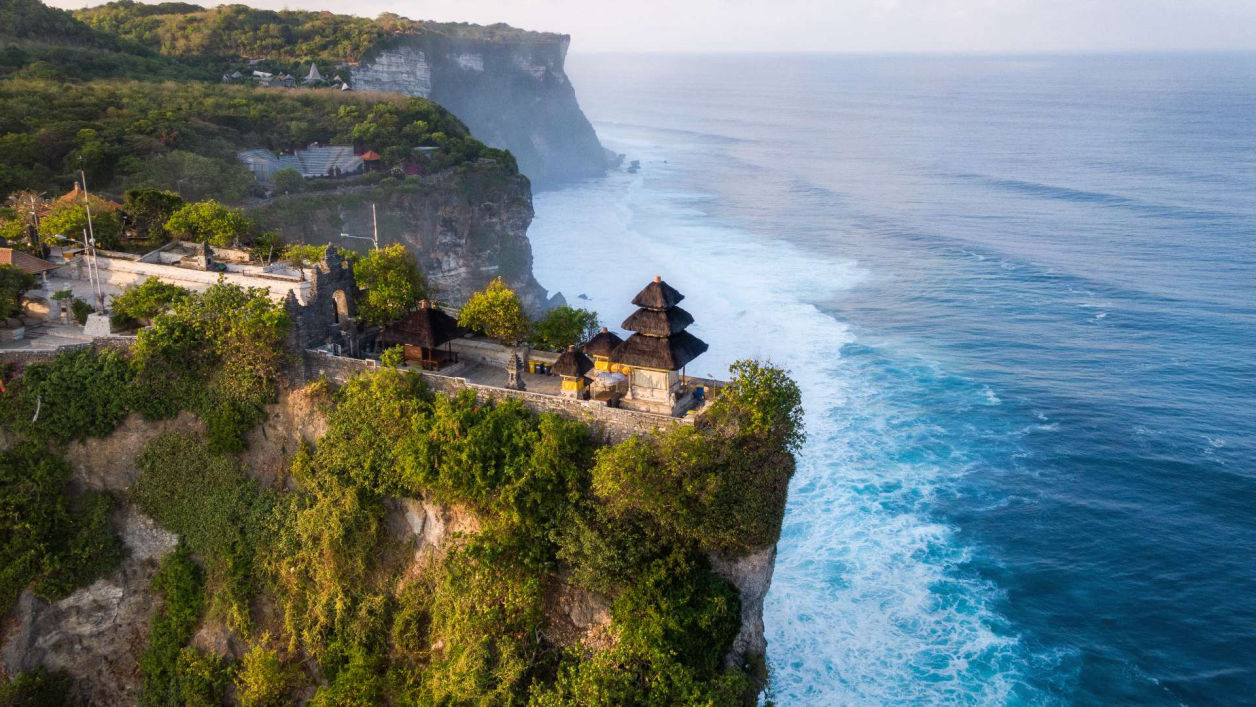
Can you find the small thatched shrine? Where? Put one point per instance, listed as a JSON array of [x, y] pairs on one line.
[[572, 365], [422, 333], [655, 355], [600, 347]]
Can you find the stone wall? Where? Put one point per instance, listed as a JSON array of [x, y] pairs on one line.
[[25, 357], [117, 273], [610, 424]]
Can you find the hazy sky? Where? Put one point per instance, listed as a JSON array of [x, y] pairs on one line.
[[844, 25]]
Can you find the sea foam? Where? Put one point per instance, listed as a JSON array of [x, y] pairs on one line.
[[870, 602]]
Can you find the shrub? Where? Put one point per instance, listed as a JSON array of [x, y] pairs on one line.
[[181, 585], [263, 679], [289, 181], [495, 312], [219, 513], [78, 394], [726, 495], [562, 327], [140, 304], [202, 678], [393, 357], [760, 401], [79, 310], [39, 688]]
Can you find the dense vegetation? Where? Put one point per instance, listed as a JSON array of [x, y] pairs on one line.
[[359, 621], [183, 137], [238, 31]]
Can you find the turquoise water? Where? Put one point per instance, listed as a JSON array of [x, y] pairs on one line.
[[1020, 296]]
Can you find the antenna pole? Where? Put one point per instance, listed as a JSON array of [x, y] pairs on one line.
[[87, 205], [375, 225]]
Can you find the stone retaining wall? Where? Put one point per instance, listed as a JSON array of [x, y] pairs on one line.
[[25, 357], [611, 424]]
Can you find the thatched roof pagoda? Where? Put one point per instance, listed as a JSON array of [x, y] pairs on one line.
[[572, 364], [660, 341], [426, 327], [603, 343]]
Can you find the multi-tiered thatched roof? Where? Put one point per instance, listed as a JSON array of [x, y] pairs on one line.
[[660, 341]]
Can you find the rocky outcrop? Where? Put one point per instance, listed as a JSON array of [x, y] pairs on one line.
[[465, 225], [510, 90], [108, 463], [752, 575], [97, 633]]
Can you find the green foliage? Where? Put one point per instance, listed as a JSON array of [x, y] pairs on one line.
[[69, 218], [148, 210], [393, 357], [194, 176], [183, 136], [726, 495], [760, 401], [202, 678], [49, 540], [77, 395], [180, 583], [495, 312], [13, 283], [264, 680], [486, 615], [562, 327], [39, 688], [142, 303], [304, 255], [211, 222], [79, 309], [676, 621], [219, 353], [289, 181], [220, 513], [392, 284]]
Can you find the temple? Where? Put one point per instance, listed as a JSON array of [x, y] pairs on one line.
[[654, 357]]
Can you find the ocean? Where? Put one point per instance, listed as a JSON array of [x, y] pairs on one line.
[[1020, 296]]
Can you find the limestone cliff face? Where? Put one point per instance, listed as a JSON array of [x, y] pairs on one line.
[[511, 91], [465, 226]]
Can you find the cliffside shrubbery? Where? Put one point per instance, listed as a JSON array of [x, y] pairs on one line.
[[218, 353], [51, 539], [634, 521]]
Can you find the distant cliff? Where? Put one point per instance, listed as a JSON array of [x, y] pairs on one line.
[[511, 91], [465, 226]]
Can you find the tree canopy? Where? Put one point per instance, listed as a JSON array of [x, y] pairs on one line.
[[495, 312], [392, 284]]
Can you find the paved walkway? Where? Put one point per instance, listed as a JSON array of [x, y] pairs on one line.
[[47, 336], [495, 376]]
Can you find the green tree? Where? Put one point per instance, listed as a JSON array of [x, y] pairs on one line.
[[392, 284], [210, 221], [69, 219], [289, 181], [562, 327], [13, 282], [495, 312], [149, 210]]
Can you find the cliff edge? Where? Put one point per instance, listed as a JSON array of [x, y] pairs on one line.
[[512, 92]]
